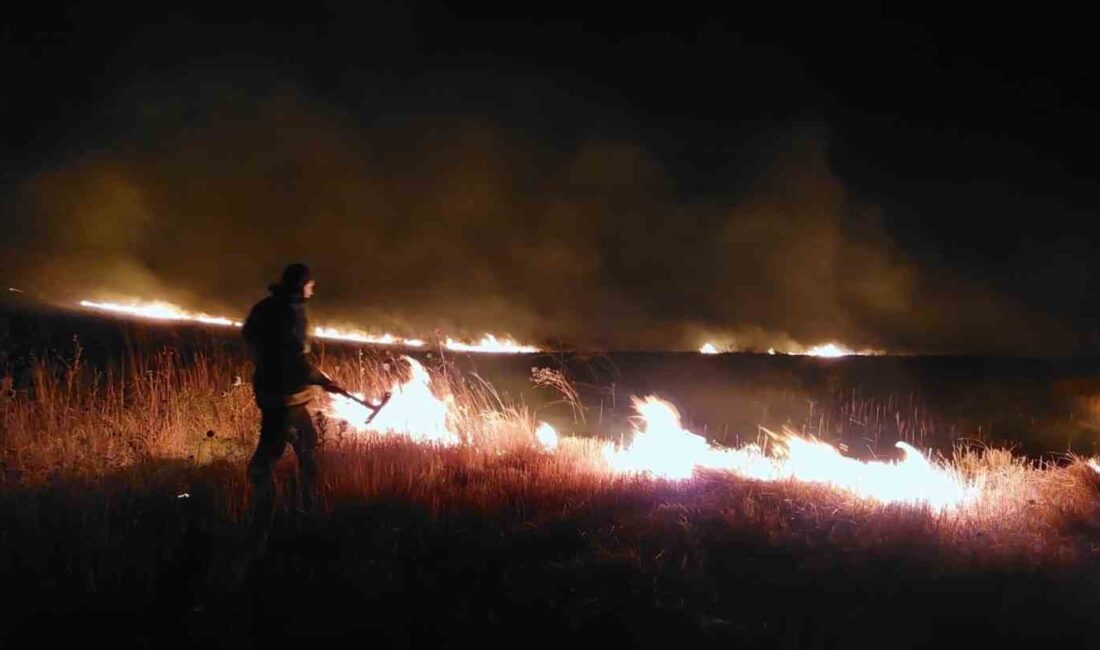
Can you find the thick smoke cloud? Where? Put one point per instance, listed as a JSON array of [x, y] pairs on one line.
[[454, 225]]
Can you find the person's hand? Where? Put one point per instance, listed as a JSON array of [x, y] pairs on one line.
[[332, 387]]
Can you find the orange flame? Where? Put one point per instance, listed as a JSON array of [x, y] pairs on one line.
[[660, 446], [835, 350], [490, 343], [829, 350], [166, 311], [663, 448], [413, 410], [159, 310], [358, 336]]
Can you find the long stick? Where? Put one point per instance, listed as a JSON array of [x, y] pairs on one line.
[[375, 408]]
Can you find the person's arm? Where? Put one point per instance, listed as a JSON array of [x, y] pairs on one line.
[[249, 330], [319, 378], [300, 335]]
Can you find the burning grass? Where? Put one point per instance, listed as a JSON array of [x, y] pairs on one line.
[[494, 531], [80, 423]]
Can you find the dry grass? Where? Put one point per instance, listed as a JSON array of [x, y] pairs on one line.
[[82, 421], [80, 424], [94, 461]]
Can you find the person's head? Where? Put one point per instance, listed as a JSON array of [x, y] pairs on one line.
[[297, 279]]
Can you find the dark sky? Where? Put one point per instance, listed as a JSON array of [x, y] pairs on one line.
[[651, 183]]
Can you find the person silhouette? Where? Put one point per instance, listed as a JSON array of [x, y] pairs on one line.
[[284, 382]]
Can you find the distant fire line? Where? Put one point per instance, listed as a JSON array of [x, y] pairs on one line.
[[489, 343], [825, 350], [165, 311]]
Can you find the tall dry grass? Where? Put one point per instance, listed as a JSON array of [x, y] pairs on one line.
[[115, 496], [78, 420], [87, 426]]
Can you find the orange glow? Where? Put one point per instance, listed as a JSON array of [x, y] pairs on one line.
[[413, 411], [490, 343], [166, 311], [662, 447], [834, 350], [159, 310], [829, 350], [357, 336]]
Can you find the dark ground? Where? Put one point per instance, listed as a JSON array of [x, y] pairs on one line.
[[636, 570]]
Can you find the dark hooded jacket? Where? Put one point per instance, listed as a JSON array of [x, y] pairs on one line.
[[277, 335]]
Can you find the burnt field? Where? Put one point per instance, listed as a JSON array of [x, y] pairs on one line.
[[124, 498]]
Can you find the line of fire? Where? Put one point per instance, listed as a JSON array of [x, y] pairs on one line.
[[408, 326]]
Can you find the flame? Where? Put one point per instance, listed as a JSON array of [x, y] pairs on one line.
[[660, 446], [547, 436], [358, 336], [824, 350], [166, 311], [413, 410], [159, 310], [835, 350], [490, 343], [663, 448], [829, 351]]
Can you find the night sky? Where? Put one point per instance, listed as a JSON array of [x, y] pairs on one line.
[[601, 183]]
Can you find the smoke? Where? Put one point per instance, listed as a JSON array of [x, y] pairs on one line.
[[447, 224]]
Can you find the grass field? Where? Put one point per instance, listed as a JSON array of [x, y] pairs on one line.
[[124, 499]]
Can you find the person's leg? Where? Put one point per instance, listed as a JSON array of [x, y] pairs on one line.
[[304, 439], [273, 436]]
